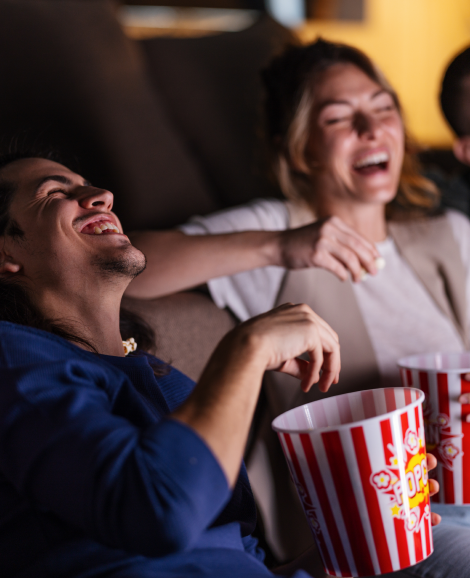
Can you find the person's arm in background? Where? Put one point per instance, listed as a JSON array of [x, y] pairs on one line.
[[176, 261]]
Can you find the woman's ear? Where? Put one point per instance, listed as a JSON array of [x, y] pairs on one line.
[[462, 149], [8, 265]]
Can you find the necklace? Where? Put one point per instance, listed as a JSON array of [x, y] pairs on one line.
[[129, 345]]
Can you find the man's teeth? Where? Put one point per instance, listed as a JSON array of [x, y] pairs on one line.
[[104, 226], [374, 159]]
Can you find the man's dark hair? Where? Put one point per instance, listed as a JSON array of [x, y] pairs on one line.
[[455, 95], [16, 305]]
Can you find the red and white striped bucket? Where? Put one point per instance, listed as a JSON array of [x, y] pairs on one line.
[[359, 464], [439, 376]]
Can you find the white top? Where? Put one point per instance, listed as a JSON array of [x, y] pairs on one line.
[[400, 316]]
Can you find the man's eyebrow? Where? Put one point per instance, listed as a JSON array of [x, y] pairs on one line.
[[58, 179]]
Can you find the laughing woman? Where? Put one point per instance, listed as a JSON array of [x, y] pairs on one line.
[[357, 210]]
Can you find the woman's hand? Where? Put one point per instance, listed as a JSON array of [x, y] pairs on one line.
[[329, 244]]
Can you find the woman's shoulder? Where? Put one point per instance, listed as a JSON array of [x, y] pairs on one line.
[[258, 215], [458, 220]]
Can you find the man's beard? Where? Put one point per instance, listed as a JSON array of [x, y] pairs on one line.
[[129, 264]]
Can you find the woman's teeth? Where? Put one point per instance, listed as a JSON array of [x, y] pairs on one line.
[[373, 159], [104, 227]]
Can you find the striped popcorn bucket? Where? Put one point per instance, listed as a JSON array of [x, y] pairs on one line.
[[439, 376], [359, 464]]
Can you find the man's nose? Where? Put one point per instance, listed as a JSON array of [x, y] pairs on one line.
[[93, 198]]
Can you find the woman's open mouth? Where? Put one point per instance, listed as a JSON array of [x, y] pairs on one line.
[[372, 164]]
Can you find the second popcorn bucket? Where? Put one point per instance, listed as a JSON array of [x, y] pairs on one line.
[[358, 461], [441, 377]]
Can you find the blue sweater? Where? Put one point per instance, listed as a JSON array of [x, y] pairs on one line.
[[96, 480]]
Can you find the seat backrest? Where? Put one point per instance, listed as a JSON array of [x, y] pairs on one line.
[[188, 327], [212, 89], [70, 77]]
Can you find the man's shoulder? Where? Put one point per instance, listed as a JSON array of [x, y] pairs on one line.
[[21, 342]]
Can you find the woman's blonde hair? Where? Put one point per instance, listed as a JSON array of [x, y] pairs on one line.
[[290, 81]]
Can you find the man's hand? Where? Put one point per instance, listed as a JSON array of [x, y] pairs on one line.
[[465, 397], [329, 244], [222, 404], [433, 487], [284, 333]]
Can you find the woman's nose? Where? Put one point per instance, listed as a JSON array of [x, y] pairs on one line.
[[365, 125], [96, 198]]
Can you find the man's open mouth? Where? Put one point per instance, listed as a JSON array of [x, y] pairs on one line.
[[372, 163], [100, 227]]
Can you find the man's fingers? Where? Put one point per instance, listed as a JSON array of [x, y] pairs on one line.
[[297, 367], [433, 487], [464, 398], [435, 519], [312, 335], [330, 370], [431, 461], [433, 484]]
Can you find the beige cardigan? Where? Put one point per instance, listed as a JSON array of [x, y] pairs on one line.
[[430, 249]]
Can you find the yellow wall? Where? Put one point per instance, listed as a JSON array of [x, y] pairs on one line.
[[412, 41]]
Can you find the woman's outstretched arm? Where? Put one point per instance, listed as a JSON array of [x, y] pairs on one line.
[[176, 261]]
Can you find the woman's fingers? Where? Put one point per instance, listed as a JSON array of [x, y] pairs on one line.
[[363, 244], [365, 251], [349, 260], [331, 263], [330, 244], [347, 248]]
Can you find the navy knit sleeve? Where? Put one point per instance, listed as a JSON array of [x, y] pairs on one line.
[[73, 442]]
